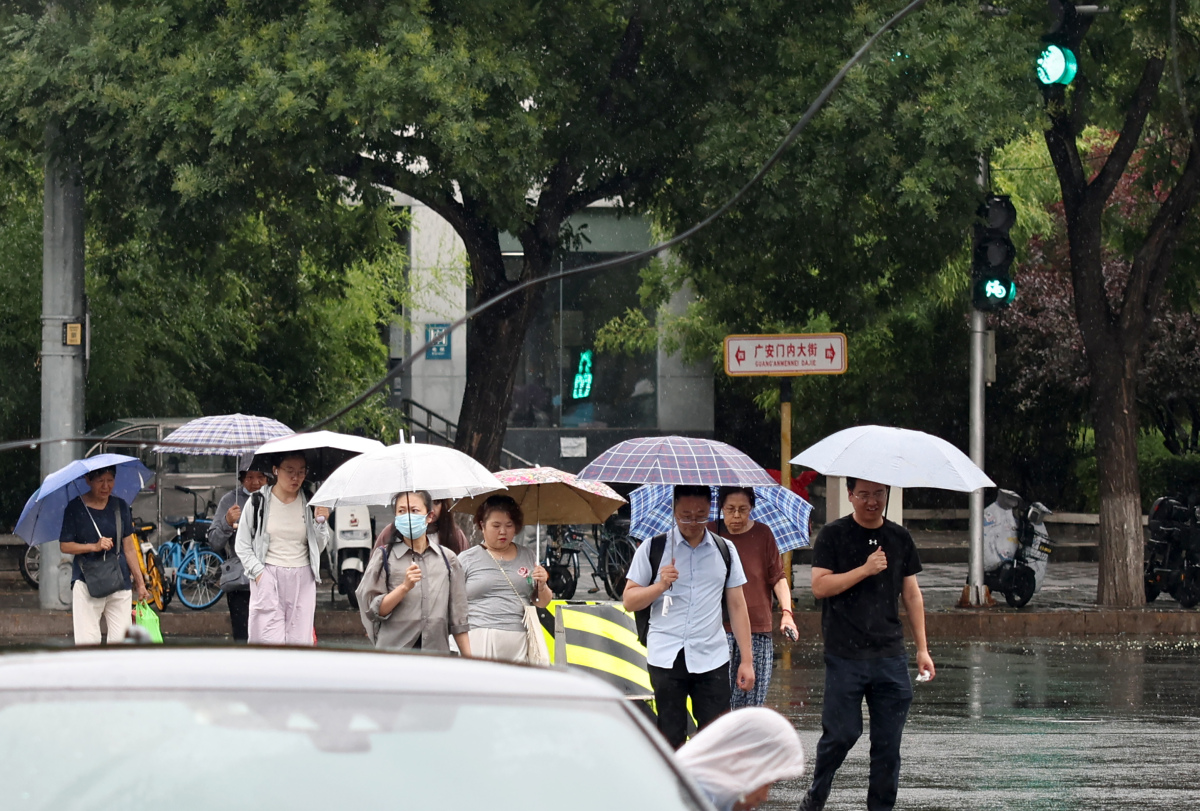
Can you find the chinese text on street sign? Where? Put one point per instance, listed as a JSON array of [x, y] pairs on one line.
[[781, 355]]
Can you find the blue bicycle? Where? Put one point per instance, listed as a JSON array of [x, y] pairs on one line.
[[190, 567]]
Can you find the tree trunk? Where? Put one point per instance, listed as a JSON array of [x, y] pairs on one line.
[[495, 341], [1114, 408]]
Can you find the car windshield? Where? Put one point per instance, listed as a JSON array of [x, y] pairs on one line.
[[291, 750]]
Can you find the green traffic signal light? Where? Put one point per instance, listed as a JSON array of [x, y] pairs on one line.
[[1057, 65], [994, 293]]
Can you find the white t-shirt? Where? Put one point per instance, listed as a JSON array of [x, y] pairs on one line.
[[289, 535]]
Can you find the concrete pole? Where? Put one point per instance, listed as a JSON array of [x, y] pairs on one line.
[[977, 592], [62, 364]]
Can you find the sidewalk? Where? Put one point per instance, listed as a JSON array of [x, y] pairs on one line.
[[1065, 607]]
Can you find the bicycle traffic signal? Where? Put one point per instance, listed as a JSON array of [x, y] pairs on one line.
[[993, 252]]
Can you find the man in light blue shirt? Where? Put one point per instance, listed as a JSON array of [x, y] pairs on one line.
[[686, 649]]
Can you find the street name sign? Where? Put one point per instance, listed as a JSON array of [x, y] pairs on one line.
[[785, 355]]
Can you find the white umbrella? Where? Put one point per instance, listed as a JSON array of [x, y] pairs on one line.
[[373, 478], [894, 456], [325, 451]]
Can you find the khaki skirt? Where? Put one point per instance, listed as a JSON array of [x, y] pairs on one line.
[[503, 646]]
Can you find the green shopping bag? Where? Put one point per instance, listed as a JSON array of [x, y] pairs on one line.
[[144, 616]]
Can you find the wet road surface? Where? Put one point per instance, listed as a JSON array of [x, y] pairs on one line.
[[1043, 725]]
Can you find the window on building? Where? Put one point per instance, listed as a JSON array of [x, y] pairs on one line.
[[563, 381]]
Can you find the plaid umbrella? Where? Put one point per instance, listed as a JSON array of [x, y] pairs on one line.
[[677, 460], [223, 435], [781, 510]]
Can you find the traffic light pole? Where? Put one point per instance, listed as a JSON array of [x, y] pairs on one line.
[[976, 592]]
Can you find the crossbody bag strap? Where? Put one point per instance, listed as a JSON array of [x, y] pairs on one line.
[[506, 577]]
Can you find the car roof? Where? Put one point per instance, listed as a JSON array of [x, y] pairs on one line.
[[299, 669]]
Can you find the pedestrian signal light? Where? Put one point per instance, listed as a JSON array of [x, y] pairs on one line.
[[582, 389], [1057, 65]]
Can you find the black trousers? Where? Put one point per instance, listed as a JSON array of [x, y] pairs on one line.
[[884, 683], [674, 685], [239, 613]]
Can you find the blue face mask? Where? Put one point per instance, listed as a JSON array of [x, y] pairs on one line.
[[410, 525]]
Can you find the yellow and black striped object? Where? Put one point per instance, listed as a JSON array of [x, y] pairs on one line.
[[601, 638]]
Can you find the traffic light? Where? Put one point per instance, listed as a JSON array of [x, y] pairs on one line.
[[1058, 62], [993, 252]]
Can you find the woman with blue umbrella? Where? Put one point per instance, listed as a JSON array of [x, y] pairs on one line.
[[77, 506]]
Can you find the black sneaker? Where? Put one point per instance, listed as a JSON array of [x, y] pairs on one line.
[[809, 803]]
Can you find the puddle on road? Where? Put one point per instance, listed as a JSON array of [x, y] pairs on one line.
[[1037, 725]]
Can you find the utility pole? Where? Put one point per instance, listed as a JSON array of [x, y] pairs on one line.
[[64, 341], [976, 592]]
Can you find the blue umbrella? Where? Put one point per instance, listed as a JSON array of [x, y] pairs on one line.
[[782, 510], [41, 520]]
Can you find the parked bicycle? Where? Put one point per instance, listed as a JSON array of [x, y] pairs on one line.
[[190, 568], [152, 574], [609, 557], [31, 565]]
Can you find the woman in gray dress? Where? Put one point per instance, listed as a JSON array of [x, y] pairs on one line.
[[502, 578]]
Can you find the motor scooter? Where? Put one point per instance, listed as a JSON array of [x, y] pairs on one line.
[[1016, 547], [353, 537], [1172, 557]]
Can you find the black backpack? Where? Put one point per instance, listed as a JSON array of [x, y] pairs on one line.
[[658, 545]]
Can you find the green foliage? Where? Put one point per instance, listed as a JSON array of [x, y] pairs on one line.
[[1161, 472], [284, 316]]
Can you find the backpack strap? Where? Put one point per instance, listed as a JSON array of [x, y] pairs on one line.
[[259, 501], [723, 548], [658, 545]]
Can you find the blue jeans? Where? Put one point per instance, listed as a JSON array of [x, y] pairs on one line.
[[886, 686]]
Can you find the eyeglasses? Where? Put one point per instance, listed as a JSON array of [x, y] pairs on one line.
[[863, 495], [293, 472], [692, 519], [736, 511]]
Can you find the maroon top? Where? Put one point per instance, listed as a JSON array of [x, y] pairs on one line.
[[764, 568]]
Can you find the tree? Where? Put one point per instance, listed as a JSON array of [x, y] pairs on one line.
[[1123, 61]]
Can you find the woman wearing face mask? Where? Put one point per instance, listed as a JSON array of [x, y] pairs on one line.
[[502, 578], [442, 529], [413, 595]]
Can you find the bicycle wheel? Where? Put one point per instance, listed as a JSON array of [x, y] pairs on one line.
[[154, 582], [31, 564], [198, 579], [167, 560], [614, 564]]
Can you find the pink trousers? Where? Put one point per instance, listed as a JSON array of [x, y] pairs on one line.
[[282, 605]]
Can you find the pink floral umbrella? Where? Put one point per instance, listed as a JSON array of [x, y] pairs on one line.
[[548, 495]]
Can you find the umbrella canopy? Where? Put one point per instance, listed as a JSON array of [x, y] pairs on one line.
[[781, 510], [894, 456], [41, 520], [677, 460], [325, 451], [547, 495], [373, 478], [222, 435]]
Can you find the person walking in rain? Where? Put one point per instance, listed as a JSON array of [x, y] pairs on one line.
[[220, 535], [863, 566], [684, 578], [280, 542], [413, 594], [756, 549]]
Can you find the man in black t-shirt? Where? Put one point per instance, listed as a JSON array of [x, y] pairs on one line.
[[863, 566]]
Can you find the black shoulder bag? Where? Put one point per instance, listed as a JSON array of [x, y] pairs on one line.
[[102, 571]]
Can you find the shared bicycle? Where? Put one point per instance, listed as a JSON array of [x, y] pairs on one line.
[[612, 549]]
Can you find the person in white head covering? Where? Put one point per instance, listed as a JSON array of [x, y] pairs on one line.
[[737, 757]]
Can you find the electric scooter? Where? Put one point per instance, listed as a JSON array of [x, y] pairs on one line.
[[1016, 547], [353, 537]]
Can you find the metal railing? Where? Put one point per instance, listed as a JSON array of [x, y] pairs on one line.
[[435, 426]]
